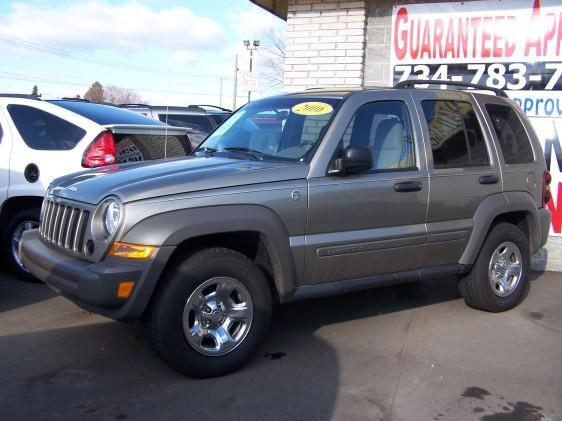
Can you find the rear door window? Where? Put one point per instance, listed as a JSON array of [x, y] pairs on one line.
[[455, 134], [512, 136], [44, 131]]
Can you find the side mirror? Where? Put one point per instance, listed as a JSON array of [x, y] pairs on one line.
[[355, 159]]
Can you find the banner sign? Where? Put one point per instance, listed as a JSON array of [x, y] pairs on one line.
[[514, 45]]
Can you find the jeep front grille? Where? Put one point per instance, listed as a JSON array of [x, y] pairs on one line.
[[64, 226]]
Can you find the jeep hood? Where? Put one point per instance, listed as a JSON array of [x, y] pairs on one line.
[[144, 180]]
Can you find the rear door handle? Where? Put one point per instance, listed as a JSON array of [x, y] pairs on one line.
[[488, 179], [406, 186]]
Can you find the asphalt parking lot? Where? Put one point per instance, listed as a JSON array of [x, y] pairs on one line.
[[409, 352]]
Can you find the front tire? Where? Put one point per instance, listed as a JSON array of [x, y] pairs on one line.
[[211, 313], [18, 223], [499, 278]]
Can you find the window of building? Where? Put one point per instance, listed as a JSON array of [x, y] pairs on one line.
[[44, 131], [383, 126], [511, 134], [455, 134]]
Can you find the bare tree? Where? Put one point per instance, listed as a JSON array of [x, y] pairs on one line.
[[118, 95], [272, 56]]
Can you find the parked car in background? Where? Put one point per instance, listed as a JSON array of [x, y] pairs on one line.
[[41, 140], [201, 119]]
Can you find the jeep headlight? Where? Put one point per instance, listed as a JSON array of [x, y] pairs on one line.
[[111, 216]]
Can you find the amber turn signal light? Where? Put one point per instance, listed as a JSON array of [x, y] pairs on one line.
[[131, 251], [125, 289]]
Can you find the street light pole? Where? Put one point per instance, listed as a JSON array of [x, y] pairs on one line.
[[251, 47], [251, 57], [235, 93]]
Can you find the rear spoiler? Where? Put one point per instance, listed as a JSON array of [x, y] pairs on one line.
[[147, 129]]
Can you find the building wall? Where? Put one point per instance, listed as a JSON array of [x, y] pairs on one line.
[[325, 44], [378, 36]]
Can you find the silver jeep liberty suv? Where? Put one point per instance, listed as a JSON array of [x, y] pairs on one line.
[[298, 196]]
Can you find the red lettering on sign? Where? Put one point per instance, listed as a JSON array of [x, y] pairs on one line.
[[414, 51], [533, 38], [475, 24], [486, 36], [509, 45], [401, 49], [426, 41], [496, 50], [450, 40], [471, 36], [556, 211], [550, 32], [559, 37], [462, 41], [437, 39]]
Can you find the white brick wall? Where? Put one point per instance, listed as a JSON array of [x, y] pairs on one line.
[[325, 44]]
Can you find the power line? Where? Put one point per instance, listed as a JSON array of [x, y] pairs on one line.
[[43, 48], [22, 77]]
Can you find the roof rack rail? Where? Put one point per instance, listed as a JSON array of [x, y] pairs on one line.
[[411, 83], [26, 96], [70, 98], [196, 108], [133, 104], [66, 98], [333, 87], [213, 106]]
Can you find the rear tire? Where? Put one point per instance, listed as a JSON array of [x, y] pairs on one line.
[[211, 313], [499, 278], [19, 222]]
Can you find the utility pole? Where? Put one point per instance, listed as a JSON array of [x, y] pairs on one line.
[[235, 82], [220, 97]]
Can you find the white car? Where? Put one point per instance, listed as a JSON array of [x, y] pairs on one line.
[[42, 140]]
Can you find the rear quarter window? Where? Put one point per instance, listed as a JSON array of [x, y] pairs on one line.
[[512, 136], [44, 131]]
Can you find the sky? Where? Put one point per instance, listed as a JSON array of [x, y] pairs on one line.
[[170, 52]]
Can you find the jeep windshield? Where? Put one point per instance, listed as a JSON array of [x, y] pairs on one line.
[[275, 129]]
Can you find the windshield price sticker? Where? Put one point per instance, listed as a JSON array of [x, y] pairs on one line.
[[312, 108]]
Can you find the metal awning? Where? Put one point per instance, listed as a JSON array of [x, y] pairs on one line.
[[278, 7]]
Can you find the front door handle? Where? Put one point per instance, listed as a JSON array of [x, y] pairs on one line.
[[488, 179], [406, 186]]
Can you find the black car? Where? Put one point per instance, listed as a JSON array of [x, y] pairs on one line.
[[201, 119]]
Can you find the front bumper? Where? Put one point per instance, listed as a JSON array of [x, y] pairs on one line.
[[94, 286]]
